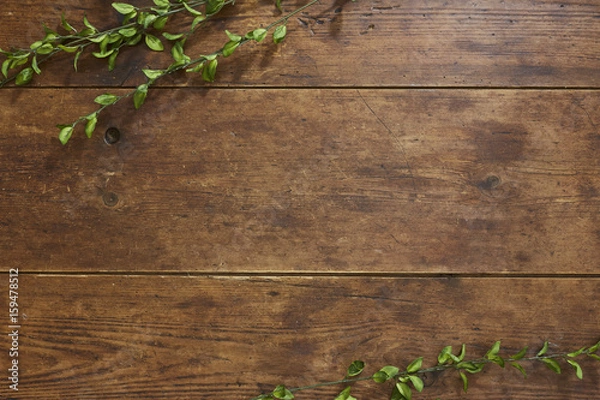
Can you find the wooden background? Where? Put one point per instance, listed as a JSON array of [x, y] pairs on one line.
[[397, 176]]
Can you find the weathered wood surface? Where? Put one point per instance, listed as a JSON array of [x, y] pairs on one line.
[[369, 43], [399, 181], [153, 337], [333, 198]]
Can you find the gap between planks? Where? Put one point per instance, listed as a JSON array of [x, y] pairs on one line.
[[315, 274]]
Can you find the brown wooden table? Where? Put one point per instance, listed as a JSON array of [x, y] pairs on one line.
[[397, 176]]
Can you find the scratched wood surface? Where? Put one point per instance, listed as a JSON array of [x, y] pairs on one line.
[[396, 177]]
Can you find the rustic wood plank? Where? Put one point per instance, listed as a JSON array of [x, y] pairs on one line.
[[432, 181], [176, 337], [369, 43]]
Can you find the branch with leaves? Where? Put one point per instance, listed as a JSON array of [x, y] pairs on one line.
[[204, 64], [139, 24], [409, 379]]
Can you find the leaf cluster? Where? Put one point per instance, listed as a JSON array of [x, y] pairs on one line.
[[139, 25], [406, 381]]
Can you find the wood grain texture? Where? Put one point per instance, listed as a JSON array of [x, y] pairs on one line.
[[156, 337], [396, 177], [365, 43], [431, 181]]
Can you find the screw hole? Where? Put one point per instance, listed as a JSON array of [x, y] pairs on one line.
[[112, 136], [110, 199]]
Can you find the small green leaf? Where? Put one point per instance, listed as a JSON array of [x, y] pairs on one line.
[[76, 59], [390, 371], [128, 18], [470, 367], [87, 23], [493, 351], [195, 13], [552, 364], [380, 377], [279, 33], [578, 370], [344, 394], [67, 26], [36, 45], [196, 21], [162, 3], [415, 365], [417, 382], [152, 74], [24, 77], [197, 68], [34, 65], [233, 37], [443, 357], [214, 6], [463, 352], [498, 360], [355, 368], [113, 59], [594, 348], [543, 350], [103, 54], [98, 39], [404, 390], [65, 133], [87, 32], [257, 34], [46, 48], [135, 40], [229, 48], [178, 54], [146, 19], [465, 381], [209, 71], [278, 5], [90, 126], [282, 393], [171, 36], [160, 22], [153, 42], [123, 8], [17, 62], [576, 353], [140, 95], [520, 354], [594, 356], [396, 394], [128, 32], [68, 49], [519, 367], [6, 67], [106, 99]]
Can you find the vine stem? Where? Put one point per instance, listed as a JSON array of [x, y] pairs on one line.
[[83, 42], [219, 52], [437, 368], [182, 66]]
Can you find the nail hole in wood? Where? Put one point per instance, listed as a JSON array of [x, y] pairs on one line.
[[110, 199], [112, 136], [491, 182]]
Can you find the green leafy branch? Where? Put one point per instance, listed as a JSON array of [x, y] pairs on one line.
[[139, 24], [407, 380], [204, 64]]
